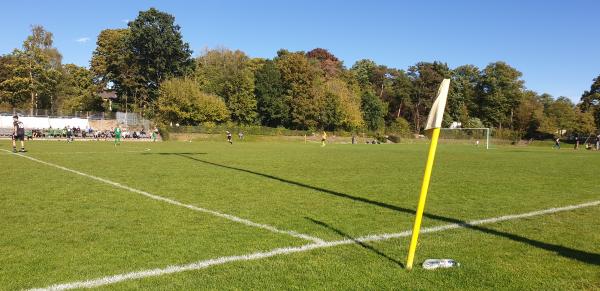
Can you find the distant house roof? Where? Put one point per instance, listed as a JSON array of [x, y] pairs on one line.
[[108, 95]]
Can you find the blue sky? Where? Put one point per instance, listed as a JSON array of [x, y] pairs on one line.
[[554, 43]]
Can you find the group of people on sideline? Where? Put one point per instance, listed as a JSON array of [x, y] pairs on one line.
[[19, 134], [588, 143]]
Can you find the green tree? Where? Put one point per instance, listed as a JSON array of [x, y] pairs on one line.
[[301, 81], [528, 115], [562, 115], [229, 75], [364, 71], [585, 123], [158, 50], [426, 78], [399, 97], [77, 91], [462, 97], [14, 83], [113, 67], [181, 101], [35, 71], [374, 111], [590, 101], [273, 106], [342, 106], [499, 92]]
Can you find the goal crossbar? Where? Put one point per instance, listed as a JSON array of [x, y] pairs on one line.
[[486, 129]]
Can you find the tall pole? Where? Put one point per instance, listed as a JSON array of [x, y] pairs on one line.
[[487, 144], [422, 197], [434, 124]]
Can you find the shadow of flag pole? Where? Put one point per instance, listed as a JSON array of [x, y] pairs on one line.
[[434, 123]]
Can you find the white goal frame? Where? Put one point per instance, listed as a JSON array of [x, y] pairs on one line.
[[487, 133]]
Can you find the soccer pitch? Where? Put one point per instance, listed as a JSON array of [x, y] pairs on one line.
[[283, 215]]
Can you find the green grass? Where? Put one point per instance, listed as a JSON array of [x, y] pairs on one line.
[[61, 227]]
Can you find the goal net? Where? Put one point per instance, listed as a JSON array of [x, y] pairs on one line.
[[468, 136]]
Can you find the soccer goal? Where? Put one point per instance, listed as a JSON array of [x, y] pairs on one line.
[[473, 136]]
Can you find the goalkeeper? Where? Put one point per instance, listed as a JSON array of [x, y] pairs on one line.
[[117, 135]]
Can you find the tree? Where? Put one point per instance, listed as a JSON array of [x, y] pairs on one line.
[[374, 111], [529, 114], [398, 96], [342, 106], [426, 78], [181, 101], [228, 74], [273, 106], [364, 71], [158, 50], [462, 97], [329, 63], [113, 67], [590, 101], [562, 115], [301, 81], [585, 123], [34, 71], [392, 86], [77, 91], [14, 84], [499, 92]]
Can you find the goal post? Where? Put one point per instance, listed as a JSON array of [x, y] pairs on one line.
[[471, 135]]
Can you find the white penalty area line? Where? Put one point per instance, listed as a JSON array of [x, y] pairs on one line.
[[291, 250], [175, 202], [91, 153], [71, 153]]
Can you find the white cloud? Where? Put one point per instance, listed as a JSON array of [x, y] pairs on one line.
[[126, 21], [82, 39]]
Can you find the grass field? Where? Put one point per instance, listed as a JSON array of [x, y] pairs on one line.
[[179, 215]]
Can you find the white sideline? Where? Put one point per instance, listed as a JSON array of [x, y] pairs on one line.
[[175, 202], [290, 250]]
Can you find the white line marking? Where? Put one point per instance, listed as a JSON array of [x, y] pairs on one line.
[[291, 250], [70, 153], [175, 202]]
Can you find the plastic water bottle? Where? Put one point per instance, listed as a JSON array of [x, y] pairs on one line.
[[431, 264]]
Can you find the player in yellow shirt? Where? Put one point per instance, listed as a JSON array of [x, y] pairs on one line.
[[323, 138]]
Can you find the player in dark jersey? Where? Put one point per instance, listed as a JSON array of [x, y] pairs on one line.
[[69, 134], [229, 137], [18, 134]]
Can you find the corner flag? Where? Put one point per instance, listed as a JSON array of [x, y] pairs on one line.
[[434, 123]]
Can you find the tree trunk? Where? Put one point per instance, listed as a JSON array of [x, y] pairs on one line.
[[417, 119], [31, 87]]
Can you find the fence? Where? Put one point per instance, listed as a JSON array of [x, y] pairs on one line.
[[43, 118]]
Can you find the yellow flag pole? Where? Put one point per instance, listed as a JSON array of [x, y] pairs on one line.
[[422, 197]]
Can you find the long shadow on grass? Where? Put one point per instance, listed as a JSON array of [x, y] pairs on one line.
[[582, 256], [360, 243], [167, 154]]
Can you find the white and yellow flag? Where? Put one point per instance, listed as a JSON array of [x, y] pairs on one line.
[[432, 129], [436, 115]]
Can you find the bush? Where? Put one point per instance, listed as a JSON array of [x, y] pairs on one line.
[[473, 122], [164, 132], [181, 101], [400, 128]]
